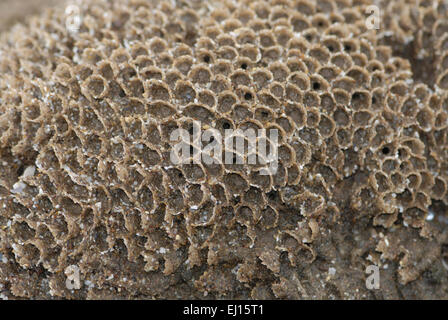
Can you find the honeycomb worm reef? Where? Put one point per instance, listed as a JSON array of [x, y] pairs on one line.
[[85, 172]]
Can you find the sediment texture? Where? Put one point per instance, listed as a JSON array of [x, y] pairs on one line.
[[13, 11], [86, 177]]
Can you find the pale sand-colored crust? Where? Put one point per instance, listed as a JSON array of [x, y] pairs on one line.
[[86, 178]]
